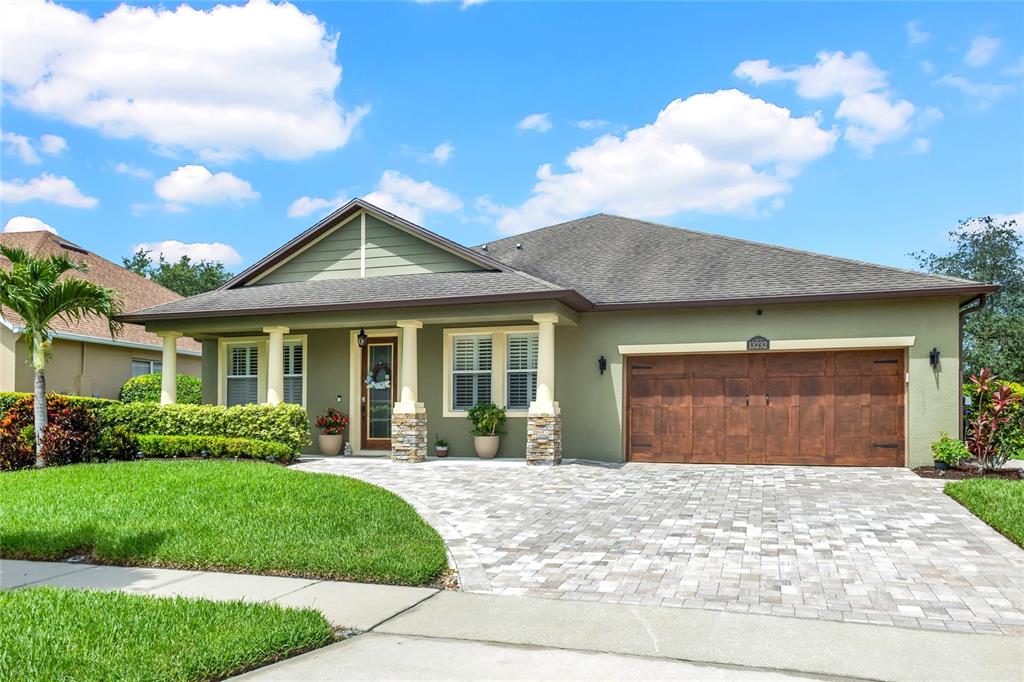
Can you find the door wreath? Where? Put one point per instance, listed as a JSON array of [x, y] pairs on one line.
[[379, 377]]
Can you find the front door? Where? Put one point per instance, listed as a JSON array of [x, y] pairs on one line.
[[378, 393]]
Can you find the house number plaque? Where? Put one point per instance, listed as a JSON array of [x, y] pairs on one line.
[[758, 343]]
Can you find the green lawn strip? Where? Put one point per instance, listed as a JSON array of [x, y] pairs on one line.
[[50, 633], [218, 515], [998, 503]]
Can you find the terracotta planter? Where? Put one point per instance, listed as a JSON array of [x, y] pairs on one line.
[[441, 451], [330, 445], [486, 446]]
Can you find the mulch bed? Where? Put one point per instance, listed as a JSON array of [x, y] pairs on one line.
[[960, 473]]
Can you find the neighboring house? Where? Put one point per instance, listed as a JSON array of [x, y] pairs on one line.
[[85, 359], [606, 338]]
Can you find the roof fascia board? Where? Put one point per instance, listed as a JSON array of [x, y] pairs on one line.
[[63, 336]]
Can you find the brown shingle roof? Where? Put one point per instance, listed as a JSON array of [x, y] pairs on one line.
[[137, 291]]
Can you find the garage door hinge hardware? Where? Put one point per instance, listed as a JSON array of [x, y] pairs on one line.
[[891, 446]]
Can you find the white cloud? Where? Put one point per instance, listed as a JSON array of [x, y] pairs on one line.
[[410, 199], [983, 49], [172, 251], [874, 119], [714, 152], [867, 106], [915, 35], [221, 82], [52, 144], [197, 185], [124, 168], [591, 123], [306, 205], [20, 146], [442, 153], [1015, 69], [538, 123], [983, 94], [52, 188], [921, 145], [927, 68], [23, 223]]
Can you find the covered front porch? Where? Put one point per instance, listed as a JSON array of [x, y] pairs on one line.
[[405, 376]]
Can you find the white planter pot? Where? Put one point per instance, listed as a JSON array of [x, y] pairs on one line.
[[330, 445], [486, 446]]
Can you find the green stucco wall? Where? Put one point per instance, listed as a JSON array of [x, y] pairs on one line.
[[389, 251], [592, 404]]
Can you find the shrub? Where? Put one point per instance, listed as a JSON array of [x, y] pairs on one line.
[[285, 423], [8, 399], [950, 450], [487, 419], [214, 446], [70, 433], [986, 432], [1010, 438], [146, 389], [17, 451], [117, 442]]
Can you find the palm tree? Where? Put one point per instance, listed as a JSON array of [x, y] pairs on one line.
[[36, 291]]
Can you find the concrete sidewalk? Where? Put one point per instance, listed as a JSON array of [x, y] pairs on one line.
[[422, 633]]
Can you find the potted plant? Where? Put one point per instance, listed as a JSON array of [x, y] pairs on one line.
[[948, 452], [487, 420], [441, 447], [332, 425]]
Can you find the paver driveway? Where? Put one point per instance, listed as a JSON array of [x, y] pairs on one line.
[[854, 544]]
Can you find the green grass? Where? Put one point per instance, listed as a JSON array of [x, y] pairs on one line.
[[217, 515], [50, 633], [998, 503]]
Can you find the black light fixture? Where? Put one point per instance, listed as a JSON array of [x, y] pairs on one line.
[[602, 364], [361, 338], [933, 358]]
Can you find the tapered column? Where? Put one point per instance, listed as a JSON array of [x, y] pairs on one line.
[[275, 364], [408, 369], [409, 418], [169, 368], [544, 423]]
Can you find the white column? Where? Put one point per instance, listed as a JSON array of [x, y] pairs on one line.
[[545, 403], [275, 364], [408, 369], [169, 369]]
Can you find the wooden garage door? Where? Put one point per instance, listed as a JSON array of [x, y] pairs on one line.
[[836, 408]]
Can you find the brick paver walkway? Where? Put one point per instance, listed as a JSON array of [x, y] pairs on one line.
[[853, 544]]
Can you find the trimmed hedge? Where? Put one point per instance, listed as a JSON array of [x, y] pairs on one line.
[[146, 389], [8, 399], [286, 424], [214, 446]]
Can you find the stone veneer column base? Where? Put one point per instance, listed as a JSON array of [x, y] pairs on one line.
[[409, 437], [543, 439]]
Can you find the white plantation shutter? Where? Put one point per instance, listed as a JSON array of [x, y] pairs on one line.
[[471, 371], [521, 371], [242, 379], [293, 368]]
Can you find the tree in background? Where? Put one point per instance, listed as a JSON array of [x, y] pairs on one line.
[[985, 250], [38, 291], [183, 277]]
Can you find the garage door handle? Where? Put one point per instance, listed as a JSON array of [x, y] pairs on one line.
[[748, 400], [766, 401]]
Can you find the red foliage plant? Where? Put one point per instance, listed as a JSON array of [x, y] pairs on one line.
[[70, 433], [993, 412], [332, 422]]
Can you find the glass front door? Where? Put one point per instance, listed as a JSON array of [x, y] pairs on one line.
[[378, 400]]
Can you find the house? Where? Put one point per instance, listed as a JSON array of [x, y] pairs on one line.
[[85, 359], [606, 338]]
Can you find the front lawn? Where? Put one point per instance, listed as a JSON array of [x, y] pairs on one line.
[[50, 633], [1000, 504], [236, 516]]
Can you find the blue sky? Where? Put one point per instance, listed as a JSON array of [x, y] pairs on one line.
[[861, 130]]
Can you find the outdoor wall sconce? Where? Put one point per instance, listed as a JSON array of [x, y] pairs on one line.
[[602, 364], [933, 358], [361, 338]]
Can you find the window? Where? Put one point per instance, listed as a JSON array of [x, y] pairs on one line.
[[141, 367], [243, 371], [293, 371], [471, 371], [521, 371]]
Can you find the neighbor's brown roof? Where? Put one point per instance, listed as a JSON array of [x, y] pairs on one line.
[[136, 291]]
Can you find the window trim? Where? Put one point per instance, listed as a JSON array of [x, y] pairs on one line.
[[499, 361], [225, 342]]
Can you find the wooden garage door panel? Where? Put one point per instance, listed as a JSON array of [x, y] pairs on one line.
[[843, 407]]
